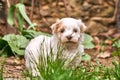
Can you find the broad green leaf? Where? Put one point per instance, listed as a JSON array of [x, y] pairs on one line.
[[87, 38], [88, 45], [21, 9], [10, 18], [20, 20], [2, 43], [88, 42], [4, 48], [17, 43], [86, 57], [31, 34]]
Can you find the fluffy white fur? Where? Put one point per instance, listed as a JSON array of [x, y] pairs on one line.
[[67, 33]]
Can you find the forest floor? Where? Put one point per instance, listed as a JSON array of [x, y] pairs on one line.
[[14, 66], [102, 36]]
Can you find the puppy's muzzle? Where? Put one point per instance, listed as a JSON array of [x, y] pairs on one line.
[[69, 37]]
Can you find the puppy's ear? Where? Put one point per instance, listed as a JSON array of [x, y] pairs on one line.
[[82, 25], [55, 26]]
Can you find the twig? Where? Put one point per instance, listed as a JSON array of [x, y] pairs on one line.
[[118, 17], [57, 2], [8, 3], [66, 10], [46, 22], [32, 7]]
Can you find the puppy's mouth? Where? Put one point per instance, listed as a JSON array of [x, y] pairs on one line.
[[70, 42]]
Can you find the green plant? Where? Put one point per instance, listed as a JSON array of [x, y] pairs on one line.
[[1, 70], [86, 57], [17, 13], [88, 42], [54, 70], [30, 34], [4, 48], [88, 45], [116, 70], [13, 43], [116, 44]]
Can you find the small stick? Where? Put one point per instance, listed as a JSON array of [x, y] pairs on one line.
[[66, 10], [32, 7], [8, 4], [118, 16], [46, 22]]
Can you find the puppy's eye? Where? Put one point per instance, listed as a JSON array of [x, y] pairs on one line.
[[75, 30], [62, 30]]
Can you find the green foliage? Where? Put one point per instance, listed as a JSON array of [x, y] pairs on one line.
[[17, 13], [116, 70], [21, 9], [1, 70], [54, 70], [10, 18], [88, 42], [15, 43], [116, 44], [4, 48], [116, 53], [29, 34], [86, 57]]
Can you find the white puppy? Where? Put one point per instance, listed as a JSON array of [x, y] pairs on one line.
[[67, 33]]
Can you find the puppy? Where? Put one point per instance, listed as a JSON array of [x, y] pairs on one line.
[[67, 33]]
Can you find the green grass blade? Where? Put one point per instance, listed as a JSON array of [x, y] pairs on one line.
[[10, 18], [1, 70]]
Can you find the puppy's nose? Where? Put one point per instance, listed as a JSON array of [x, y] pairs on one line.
[[69, 37]]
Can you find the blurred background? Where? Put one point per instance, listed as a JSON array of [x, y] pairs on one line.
[[98, 15]]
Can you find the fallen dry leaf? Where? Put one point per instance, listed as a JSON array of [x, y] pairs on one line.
[[104, 55], [108, 42], [96, 40]]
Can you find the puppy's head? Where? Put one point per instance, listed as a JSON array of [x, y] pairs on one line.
[[68, 30]]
